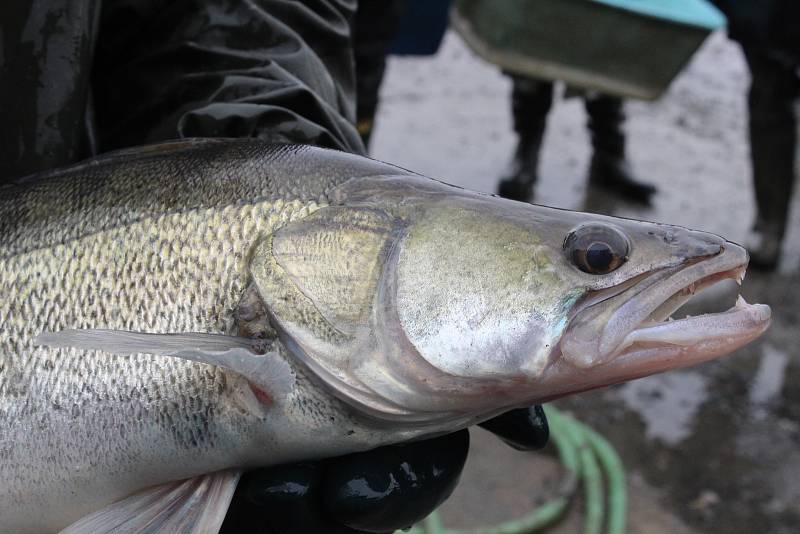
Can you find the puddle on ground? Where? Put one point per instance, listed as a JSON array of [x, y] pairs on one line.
[[666, 403], [768, 381]]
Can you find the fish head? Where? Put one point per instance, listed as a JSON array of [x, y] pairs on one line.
[[419, 302]]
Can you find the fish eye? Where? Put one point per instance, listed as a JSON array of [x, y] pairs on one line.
[[597, 248]]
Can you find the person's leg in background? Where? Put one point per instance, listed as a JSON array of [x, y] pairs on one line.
[[773, 144], [609, 168], [531, 100]]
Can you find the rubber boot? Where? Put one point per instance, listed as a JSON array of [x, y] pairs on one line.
[[609, 168], [773, 141], [531, 101]]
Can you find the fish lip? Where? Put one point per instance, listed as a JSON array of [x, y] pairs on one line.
[[631, 327]]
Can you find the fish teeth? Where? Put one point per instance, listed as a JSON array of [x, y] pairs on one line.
[[740, 276], [740, 302]]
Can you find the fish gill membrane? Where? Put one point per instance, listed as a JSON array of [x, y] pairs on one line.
[[290, 303]]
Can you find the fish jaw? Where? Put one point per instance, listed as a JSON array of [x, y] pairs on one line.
[[631, 334]]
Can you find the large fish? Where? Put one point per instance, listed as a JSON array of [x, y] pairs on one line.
[[184, 311]]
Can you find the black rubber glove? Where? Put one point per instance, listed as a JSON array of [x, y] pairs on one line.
[[524, 429], [375, 491]]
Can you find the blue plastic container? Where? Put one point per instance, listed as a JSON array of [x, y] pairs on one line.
[[422, 27]]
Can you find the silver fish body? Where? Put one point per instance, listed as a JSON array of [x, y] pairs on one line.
[[397, 306], [151, 242]]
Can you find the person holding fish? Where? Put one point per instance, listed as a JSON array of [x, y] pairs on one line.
[[134, 72], [178, 315]]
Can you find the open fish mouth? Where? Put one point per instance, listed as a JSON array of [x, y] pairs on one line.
[[628, 331]]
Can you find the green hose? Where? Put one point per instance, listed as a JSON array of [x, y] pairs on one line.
[[585, 456], [615, 476]]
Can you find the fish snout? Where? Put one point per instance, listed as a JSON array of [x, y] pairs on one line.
[[691, 244]]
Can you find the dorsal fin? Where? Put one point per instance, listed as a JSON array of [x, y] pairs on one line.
[[129, 153]]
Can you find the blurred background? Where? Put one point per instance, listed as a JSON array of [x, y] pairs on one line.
[[715, 448]]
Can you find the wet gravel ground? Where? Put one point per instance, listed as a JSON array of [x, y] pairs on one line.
[[715, 448]]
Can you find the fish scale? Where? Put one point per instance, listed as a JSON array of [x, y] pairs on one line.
[[89, 419], [121, 294]]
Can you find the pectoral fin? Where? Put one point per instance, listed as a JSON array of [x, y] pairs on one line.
[[265, 369], [194, 506]]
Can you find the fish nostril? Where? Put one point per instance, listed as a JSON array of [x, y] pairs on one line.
[[694, 244], [706, 250]]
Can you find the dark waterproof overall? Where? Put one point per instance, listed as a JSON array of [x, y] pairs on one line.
[[76, 79]]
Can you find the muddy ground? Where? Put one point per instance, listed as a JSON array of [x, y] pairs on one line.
[[715, 448]]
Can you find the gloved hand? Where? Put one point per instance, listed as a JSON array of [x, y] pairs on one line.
[[374, 491]]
